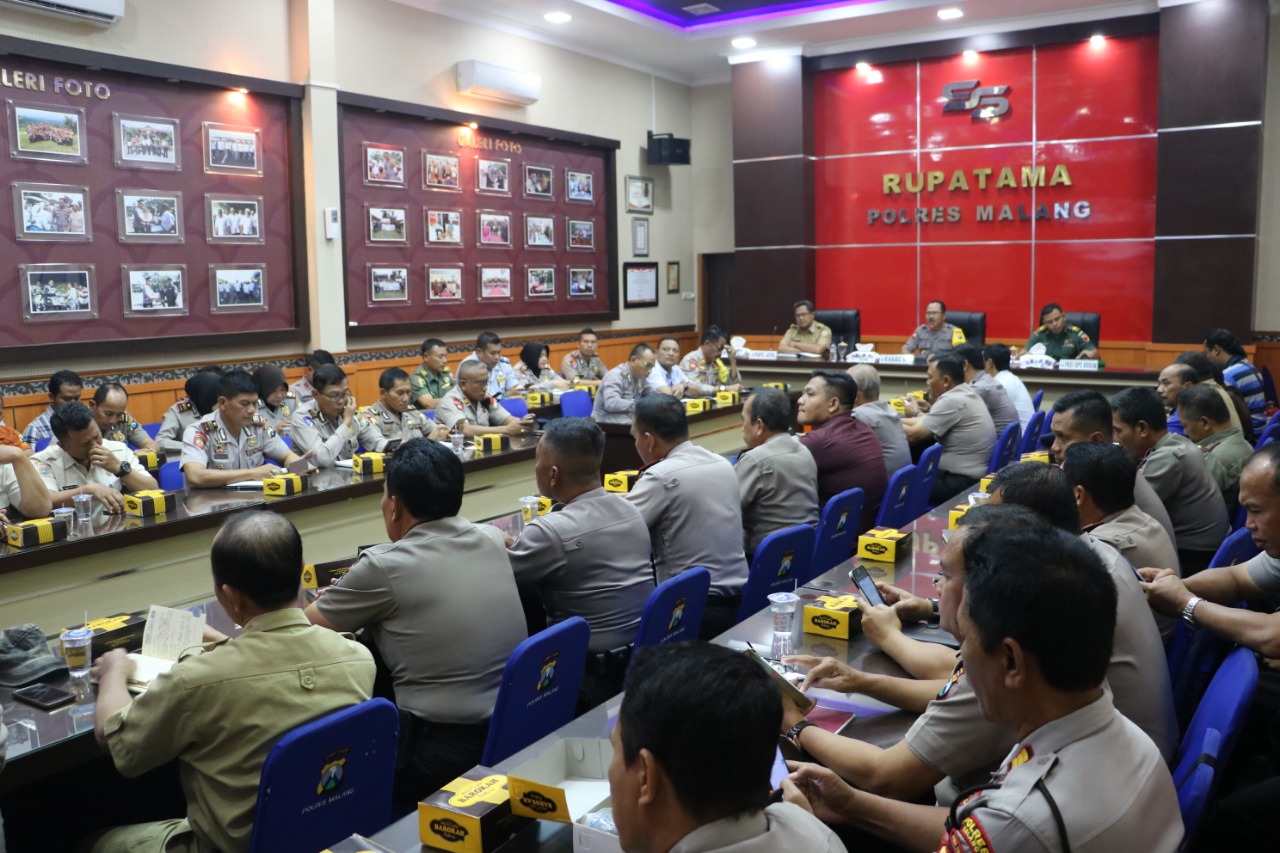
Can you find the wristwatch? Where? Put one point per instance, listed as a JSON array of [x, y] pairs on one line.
[[793, 733], [936, 616], [125, 470], [1189, 611]]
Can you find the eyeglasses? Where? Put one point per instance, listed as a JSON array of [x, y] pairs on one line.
[[337, 398], [648, 365]]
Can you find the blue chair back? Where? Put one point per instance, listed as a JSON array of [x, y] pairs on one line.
[[781, 558], [1194, 791], [515, 405], [1236, 548], [1037, 400], [895, 506], [41, 443], [170, 477], [1006, 447], [539, 689], [1274, 419], [837, 533], [575, 404], [926, 473], [350, 752], [673, 613], [1224, 708], [1192, 657], [1264, 442], [151, 429], [430, 414], [1272, 431], [1237, 521], [1031, 437]]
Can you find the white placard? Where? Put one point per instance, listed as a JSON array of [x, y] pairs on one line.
[[764, 354], [862, 358], [1043, 362], [1078, 364], [900, 358]]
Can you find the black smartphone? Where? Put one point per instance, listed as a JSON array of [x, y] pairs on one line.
[[866, 586], [44, 696]]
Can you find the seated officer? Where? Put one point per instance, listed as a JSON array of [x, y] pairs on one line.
[[589, 556], [64, 387], [21, 486], [108, 408], [998, 401], [935, 335], [328, 428], [432, 380], [960, 421], [682, 781], [704, 369], [468, 408], [995, 361], [230, 444], [201, 389], [394, 416], [666, 376], [806, 334], [441, 580], [1079, 775], [276, 402], [1060, 339], [502, 380], [302, 389], [623, 386], [79, 462], [777, 477], [1207, 423], [880, 416], [223, 706], [846, 450], [582, 366]]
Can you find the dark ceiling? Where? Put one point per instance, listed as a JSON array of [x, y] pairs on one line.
[[714, 12]]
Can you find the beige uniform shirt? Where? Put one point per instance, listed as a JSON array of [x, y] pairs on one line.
[[128, 431], [817, 333], [281, 419], [209, 443], [454, 407], [331, 440], [173, 426], [411, 424], [59, 471], [577, 366]]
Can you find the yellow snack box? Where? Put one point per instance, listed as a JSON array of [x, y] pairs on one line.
[[728, 398], [883, 544], [696, 404], [492, 442], [369, 462], [984, 485], [151, 459], [1036, 456], [471, 814], [538, 399], [38, 531], [835, 616], [957, 513], [149, 502], [621, 481], [284, 484]]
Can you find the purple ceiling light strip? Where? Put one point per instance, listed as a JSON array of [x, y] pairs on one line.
[[757, 13]]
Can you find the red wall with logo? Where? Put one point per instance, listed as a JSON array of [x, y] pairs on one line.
[[1085, 111]]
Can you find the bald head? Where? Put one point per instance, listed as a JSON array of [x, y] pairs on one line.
[[867, 378]]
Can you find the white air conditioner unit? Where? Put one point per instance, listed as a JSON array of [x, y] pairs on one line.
[[100, 13], [495, 83]]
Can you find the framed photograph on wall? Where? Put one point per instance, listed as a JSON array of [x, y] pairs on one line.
[[383, 165], [387, 284], [639, 237], [673, 276], [539, 232], [154, 290], [46, 132], [233, 218], [444, 227], [232, 150], [640, 285], [493, 177], [579, 186], [493, 228], [444, 283], [56, 212], [639, 194], [495, 281], [237, 288], [538, 182], [58, 292], [149, 216], [145, 142], [582, 282], [540, 282], [441, 172], [386, 226], [582, 233]]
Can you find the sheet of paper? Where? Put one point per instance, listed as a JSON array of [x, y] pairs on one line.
[[347, 463], [169, 632], [246, 485]]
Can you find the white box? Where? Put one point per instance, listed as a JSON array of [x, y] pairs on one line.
[[564, 783]]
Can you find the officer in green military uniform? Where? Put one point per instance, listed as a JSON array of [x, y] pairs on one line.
[[1060, 339], [432, 380]]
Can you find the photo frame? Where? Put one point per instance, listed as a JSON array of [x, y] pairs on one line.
[[232, 149], [147, 142], [640, 285], [582, 234], [673, 276], [149, 216], [384, 165], [539, 231], [493, 177], [579, 186], [441, 171], [494, 282], [582, 282], [539, 182], [539, 282], [493, 229], [233, 219], [386, 226], [387, 284], [52, 213], [55, 293], [639, 237], [639, 195], [444, 283], [237, 288], [46, 132], [443, 227], [155, 290]]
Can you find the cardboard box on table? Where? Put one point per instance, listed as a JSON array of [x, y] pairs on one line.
[[621, 481], [835, 616], [149, 502], [564, 783], [492, 442], [369, 462], [884, 544], [471, 814], [37, 531]]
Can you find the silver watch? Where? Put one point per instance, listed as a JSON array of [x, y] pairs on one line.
[[1189, 611]]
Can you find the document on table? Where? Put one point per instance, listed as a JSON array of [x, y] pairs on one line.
[[167, 634]]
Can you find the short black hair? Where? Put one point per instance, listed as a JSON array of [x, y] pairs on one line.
[[662, 415], [1199, 362], [260, 554], [319, 358], [970, 353], [772, 408], [1049, 309], [389, 377], [68, 418], [950, 365], [233, 383], [1090, 411], [1140, 404], [431, 343], [803, 303], [710, 335], [718, 760], [1042, 489], [487, 339], [202, 390], [1036, 585], [427, 478], [64, 377], [639, 350], [941, 305], [1268, 455], [1224, 339], [212, 368], [531, 354], [1106, 471], [326, 375], [576, 439], [1202, 401], [999, 355], [587, 331], [839, 385], [103, 391], [668, 338]]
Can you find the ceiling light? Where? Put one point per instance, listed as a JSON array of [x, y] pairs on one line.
[[950, 14], [970, 56], [557, 17], [1097, 40], [864, 67], [241, 90], [743, 43]]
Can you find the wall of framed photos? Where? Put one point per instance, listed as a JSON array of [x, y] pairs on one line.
[[140, 209], [446, 224]]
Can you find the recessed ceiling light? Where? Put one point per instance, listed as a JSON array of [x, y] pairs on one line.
[[970, 56], [1097, 40], [743, 43], [864, 67], [557, 17], [950, 14]]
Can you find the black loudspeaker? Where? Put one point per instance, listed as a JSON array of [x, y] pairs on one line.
[[665, 149]]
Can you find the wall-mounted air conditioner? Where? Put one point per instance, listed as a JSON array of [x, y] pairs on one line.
[[495, 83], [100, 13]]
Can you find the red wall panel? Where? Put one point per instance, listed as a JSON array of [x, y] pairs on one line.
[[970, 278], [881, 280], [1093, 89], [871, 109], [1011, 68], [849, 188], [1099, 277]]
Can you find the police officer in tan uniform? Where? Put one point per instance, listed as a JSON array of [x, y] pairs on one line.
[[704, 368], [108, 408], [276, 403], [201, 396], [78, 461], [806, 334], [935, 336], [583, 366], [469, 409], [328, 428], [394, 416], [230, 444]]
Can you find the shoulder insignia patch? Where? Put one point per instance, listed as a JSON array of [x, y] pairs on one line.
[[1024, 755], [306, 420], [974, 836], [951, 682], [458, 404], [271, 433], [184, 405], [1083, 335], [199, 439]]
